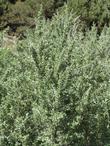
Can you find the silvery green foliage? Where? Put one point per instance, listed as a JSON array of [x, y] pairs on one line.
[[56, 91]]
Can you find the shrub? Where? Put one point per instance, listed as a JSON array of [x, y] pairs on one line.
[[55, 90]]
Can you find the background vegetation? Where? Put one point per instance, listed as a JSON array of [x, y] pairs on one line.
[[20, 14]]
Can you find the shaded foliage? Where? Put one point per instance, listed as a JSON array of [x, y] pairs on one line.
[[20, 14]]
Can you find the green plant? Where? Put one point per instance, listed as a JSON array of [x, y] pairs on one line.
[[55, 90]]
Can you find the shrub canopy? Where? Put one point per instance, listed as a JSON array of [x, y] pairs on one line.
[[55, 86]]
